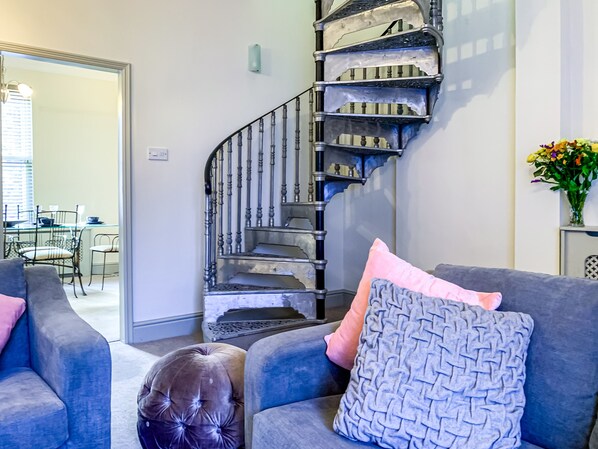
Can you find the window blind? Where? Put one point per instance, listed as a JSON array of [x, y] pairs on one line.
[[17, 153]]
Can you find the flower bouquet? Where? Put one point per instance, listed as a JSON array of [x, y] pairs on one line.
[[571, 166]]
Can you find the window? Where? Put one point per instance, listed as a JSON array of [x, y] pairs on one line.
[[17, 153]]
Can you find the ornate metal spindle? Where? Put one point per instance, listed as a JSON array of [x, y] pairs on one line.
[[208, 241], [260, 173], [272, 162], [221, 202], [364, 109], [352, 105], [377, 109], [389, 75], [352, 170], [248, 201], [283, 187], [337, 169], [436, 14], [239, 239], [229, 196], [297, 196], [310, 188], [213, 268]]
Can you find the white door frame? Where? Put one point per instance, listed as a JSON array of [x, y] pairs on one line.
[[123, 70]]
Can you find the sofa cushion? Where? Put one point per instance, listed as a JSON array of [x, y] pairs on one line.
[[301, 424], [11, 309], [12, 283], [432, 372], [562, 364], [381, 263], [31, 415]]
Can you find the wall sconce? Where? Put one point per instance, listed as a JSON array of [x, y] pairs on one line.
[[24, 89], [255, 58]]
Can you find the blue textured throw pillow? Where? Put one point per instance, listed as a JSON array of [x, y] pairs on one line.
[[433, 373]]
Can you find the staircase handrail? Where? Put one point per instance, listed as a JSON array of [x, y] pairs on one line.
[[207, 169]]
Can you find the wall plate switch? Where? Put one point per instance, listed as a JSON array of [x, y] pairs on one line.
[[157, 154]]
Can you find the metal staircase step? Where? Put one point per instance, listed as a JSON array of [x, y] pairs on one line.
[[307, 211], [352, 7], [363, 160], [301, 268], [417, 82], [424, 36], [358, 149], [425, 58], [366, 18], [390, 119], [334, 184], [259, 281], [301, 238]]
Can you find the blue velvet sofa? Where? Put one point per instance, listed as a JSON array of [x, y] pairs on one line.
[[292, 391], [55, 371]]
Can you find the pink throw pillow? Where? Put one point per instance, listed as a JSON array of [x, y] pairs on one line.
[[11, 309], [382, 264]]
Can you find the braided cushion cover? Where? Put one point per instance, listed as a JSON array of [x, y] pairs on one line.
[[434, 373]]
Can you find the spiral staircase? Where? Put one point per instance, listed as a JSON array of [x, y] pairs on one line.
[[378, 73]]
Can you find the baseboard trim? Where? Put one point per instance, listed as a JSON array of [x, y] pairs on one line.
[[167, 328], [189, 324]]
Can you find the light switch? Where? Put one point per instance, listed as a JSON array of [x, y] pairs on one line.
[[157, 154]]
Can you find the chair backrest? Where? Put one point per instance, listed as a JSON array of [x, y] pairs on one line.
[[55, 232], [108, 239]]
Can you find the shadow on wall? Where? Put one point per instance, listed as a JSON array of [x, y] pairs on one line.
[[479, 51], [476, 41]]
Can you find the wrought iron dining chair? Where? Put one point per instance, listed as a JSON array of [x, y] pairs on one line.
[[105, 244], [57, 242]]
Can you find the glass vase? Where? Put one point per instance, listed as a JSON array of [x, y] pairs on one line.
[[576, 203]]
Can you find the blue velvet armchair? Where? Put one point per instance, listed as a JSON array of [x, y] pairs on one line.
[[55, 371]]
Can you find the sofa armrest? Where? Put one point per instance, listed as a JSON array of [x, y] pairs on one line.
[[290, 367], [71, 357]]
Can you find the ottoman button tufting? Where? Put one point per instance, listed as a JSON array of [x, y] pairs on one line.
[[190, 391]]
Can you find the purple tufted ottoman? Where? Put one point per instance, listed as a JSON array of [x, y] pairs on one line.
[[193, 398]]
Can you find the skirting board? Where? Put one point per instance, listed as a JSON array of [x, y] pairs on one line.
[[189, 324]]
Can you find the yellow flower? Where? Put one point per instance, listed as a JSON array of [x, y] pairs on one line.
[[532, 157], [560, 156], [594, 147]]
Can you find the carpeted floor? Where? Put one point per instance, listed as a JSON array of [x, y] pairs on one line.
[[130, 363]]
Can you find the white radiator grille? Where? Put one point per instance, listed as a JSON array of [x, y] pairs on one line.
[[591, 267]]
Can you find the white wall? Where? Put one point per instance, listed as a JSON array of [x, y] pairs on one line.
[[190, 88], [455, 180]]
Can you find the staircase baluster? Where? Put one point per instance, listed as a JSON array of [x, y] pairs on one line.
[[239, 239], [352, 170], [221, 202], [389, 75], [272, 163], [310, 189], [297, 196], [283, 188], [337, 169], [377, 109], [208, 241], [229, 196], [213, 269], [364, 108], [248, 201], [436, 14], [260, 174], [352, 105]]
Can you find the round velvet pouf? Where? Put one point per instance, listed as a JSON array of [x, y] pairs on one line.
[[193, 398]]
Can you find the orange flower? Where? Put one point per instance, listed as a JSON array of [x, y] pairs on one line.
[[578, 160]]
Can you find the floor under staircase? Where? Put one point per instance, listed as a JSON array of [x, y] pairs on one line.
[[378, 73]]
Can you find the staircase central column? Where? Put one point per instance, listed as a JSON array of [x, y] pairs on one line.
[[319, 168]]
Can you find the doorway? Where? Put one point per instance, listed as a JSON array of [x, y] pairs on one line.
[[120, 75]]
